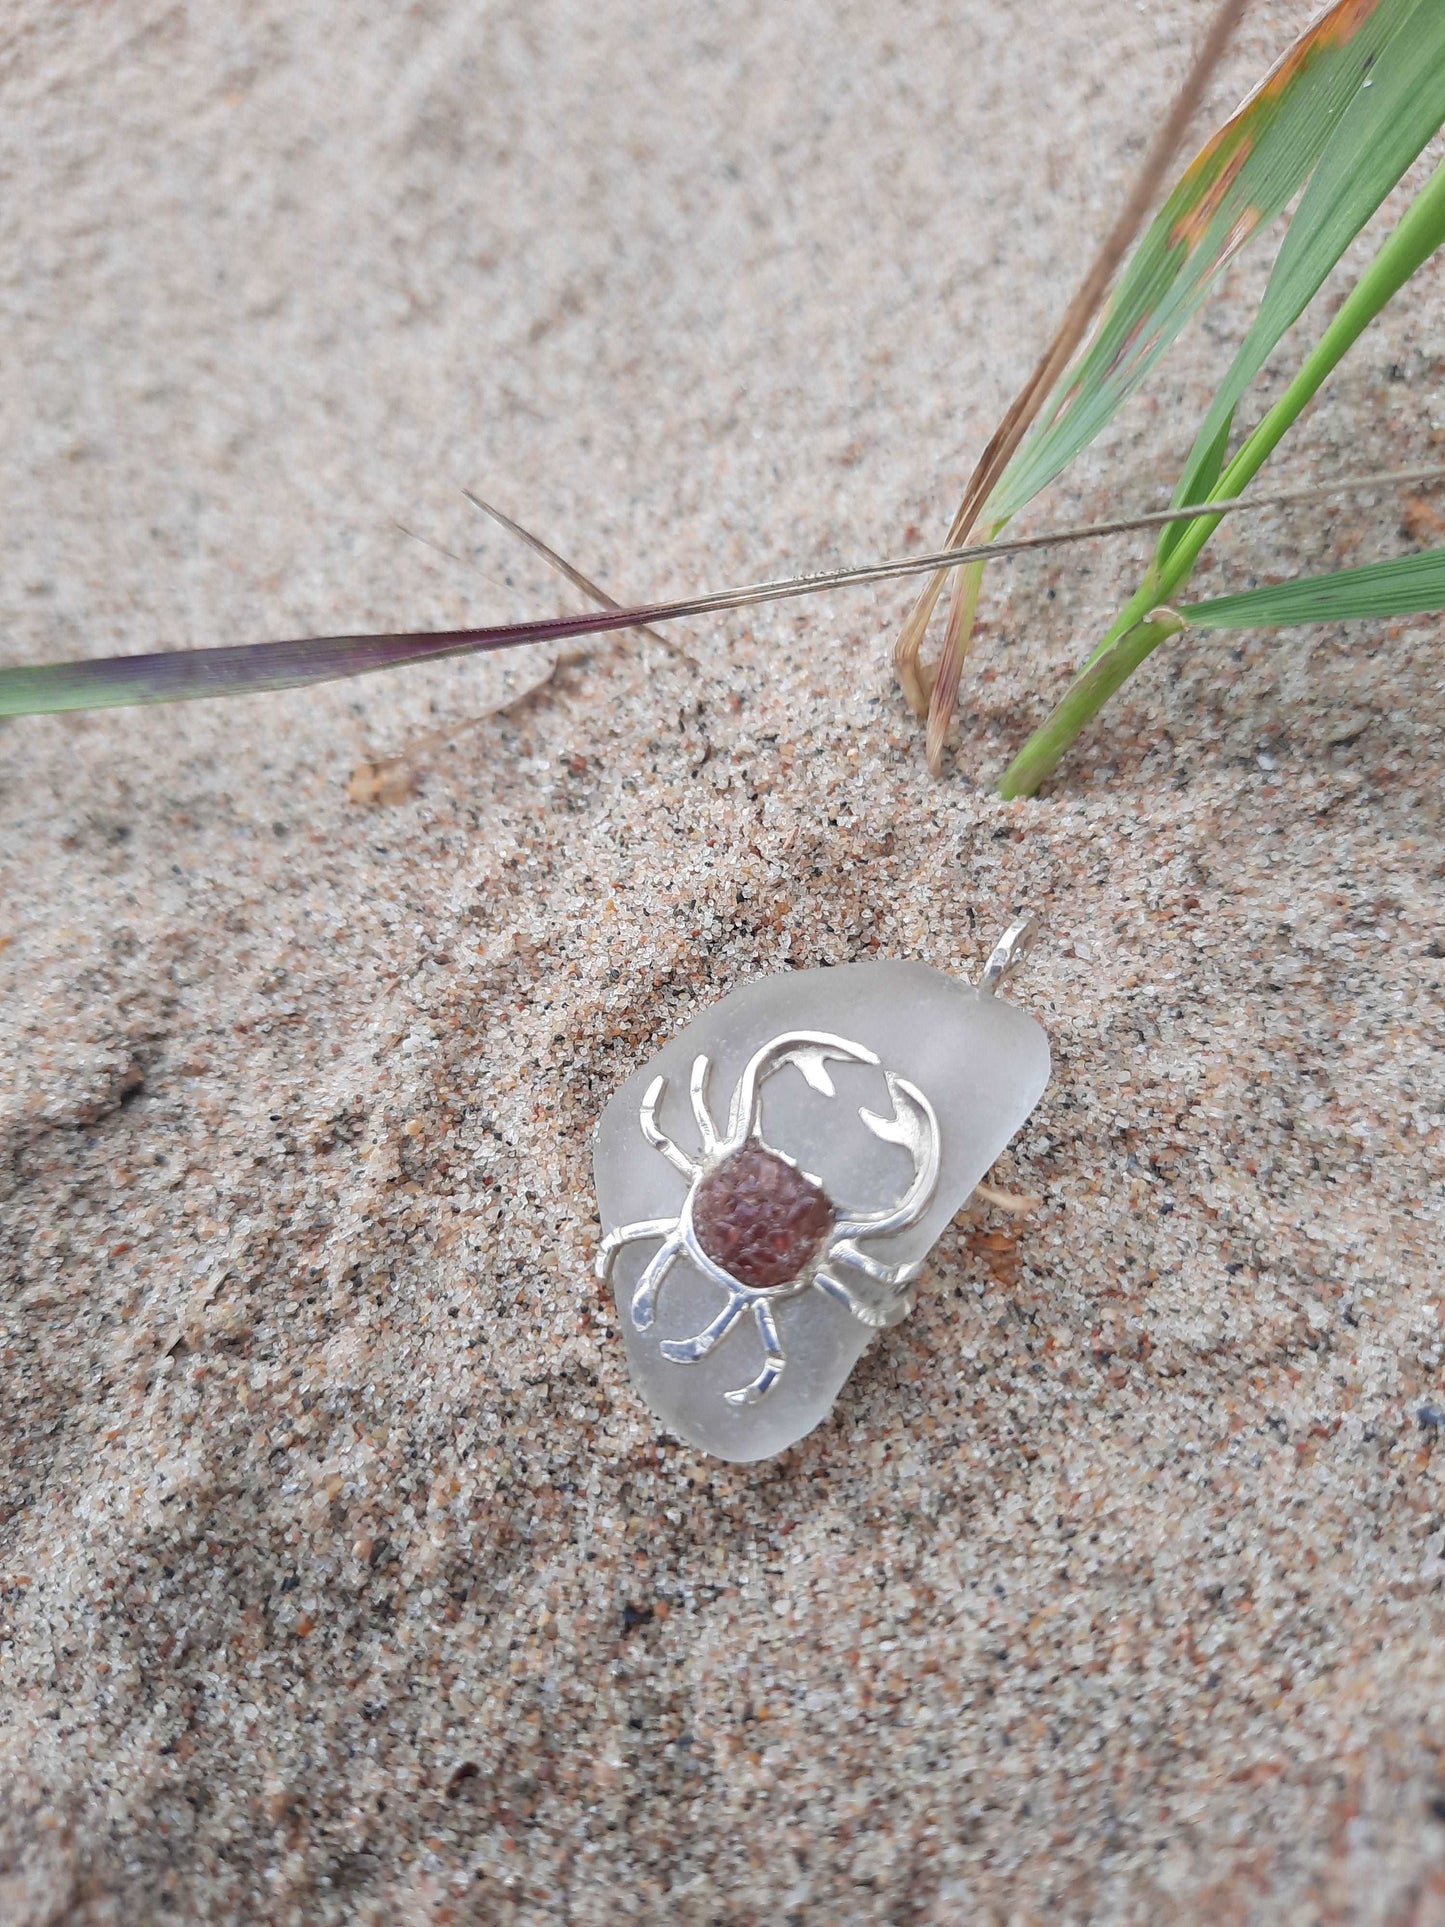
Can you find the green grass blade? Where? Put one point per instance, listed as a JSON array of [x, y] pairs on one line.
[[1082, 701], [1397, 109], [1208, 461], [1410, 585], [1139, 629], [1402, 254], [1240, 181]]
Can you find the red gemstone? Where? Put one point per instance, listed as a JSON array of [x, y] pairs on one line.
[[760, 1219]]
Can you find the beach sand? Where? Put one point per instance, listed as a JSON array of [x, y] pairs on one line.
[[343, 1577]]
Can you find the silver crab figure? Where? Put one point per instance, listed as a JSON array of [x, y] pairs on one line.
[[764, 1230], [756, 1249]]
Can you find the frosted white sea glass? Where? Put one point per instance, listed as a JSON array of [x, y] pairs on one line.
[[982, 1064]]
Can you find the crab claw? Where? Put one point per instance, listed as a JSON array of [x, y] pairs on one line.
[[914, 1126], [811, 1051], [812, 1060], [912, 1114]]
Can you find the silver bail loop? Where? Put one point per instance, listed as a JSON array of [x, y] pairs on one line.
[[1012, 947]]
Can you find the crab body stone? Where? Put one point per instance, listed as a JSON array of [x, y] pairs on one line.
[[761, 1218]]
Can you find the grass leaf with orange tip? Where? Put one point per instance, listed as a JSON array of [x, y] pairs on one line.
[[1240, 182], [1396, 110], [1145, 621]]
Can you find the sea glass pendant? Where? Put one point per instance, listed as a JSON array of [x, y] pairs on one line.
[[771, 1182]]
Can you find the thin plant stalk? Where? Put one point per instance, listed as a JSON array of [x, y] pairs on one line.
[[104, 682]]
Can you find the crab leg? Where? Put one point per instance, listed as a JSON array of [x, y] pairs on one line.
[[773, 1362], [706, 1129], [880, 1317], [627, 1234], [657, 1137], [687, 1351], [644, 1299], [874, 1267]]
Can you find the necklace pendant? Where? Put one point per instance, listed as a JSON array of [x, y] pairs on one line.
[[772, 1181]]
